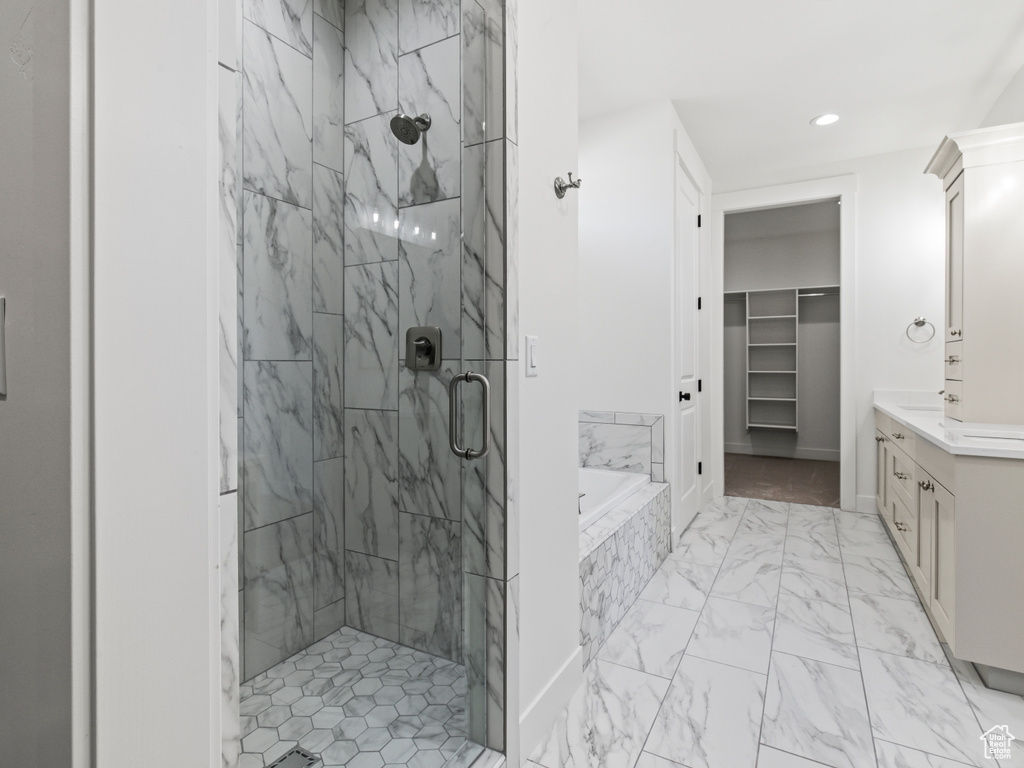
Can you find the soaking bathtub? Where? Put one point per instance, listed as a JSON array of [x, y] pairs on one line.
[[602, 489]]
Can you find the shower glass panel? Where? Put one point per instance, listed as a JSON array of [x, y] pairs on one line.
[[372, 555]]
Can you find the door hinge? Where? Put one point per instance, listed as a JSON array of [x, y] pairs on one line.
[[698, 221], [698, 302], [700, 385], [700, 468]]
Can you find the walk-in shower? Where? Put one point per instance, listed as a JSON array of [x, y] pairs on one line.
[[372, 556]]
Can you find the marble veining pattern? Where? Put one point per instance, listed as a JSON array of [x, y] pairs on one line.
[[428, 82], [799, 673], [371, 191], [328, 241], [356, 700], [287, 20], [430, 291], [430, 589], [371, 336], [371, 483], [328, 95], [277, 275], [371, 58], [483, 252], [227, 277], [631, 442], [615, 573], [329, 532], [483, 51], [277, 127], [422, 22], [429, 474], [328, 375], [278, 442], [278, 592]]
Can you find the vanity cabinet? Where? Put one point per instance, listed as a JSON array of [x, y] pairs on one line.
[[953, 509], [983, 175], [918, 508]]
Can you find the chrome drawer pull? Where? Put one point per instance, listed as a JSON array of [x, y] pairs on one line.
[[951, 398], [898, 435], [901, 475]]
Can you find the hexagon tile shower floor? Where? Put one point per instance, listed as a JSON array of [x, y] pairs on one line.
[[355, 699]]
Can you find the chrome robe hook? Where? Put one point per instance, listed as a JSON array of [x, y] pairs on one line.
[[561, 186]]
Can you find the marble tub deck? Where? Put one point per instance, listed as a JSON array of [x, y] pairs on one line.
[[357, 700], [779, 635]]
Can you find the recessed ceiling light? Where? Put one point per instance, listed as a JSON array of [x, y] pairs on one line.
[[826, 119]]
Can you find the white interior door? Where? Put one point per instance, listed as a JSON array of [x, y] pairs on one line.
[[687, 292]]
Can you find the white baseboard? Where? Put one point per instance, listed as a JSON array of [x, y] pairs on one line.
[[866, 504], [814, 454], [536, 721]]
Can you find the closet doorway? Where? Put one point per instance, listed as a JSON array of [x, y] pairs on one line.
[[782, 353]]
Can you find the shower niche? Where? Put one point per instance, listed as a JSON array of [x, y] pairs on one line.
[[371, 161]]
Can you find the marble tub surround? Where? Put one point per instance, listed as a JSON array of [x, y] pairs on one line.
[[618, 559], [634, 442], [805, 683]]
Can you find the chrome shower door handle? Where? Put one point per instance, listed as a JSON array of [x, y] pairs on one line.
[[453, 416]]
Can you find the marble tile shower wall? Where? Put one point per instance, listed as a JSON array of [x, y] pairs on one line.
[[291, 330], [352, 504], [631, 442]]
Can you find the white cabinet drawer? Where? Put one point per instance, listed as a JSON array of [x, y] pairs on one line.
[[954, 399], [954, 360]]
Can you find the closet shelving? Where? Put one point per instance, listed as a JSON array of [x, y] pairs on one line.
[[773, 338]]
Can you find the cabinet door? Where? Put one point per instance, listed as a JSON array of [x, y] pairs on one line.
[[955, 260], [943, 592], [904, 521], [921, 567], [881, 463]]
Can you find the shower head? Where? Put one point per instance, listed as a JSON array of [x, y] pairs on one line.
[[408, 129]]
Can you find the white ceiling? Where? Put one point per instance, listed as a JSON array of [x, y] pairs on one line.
[[747, 76]]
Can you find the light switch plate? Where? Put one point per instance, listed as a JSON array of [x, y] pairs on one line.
[[531, 356]]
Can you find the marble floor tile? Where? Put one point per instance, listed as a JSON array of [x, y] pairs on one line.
[[813, 543], [855, 541], [992, 707], [650, 638], [810, 514], [817, 711], [814, 579], [709, 716], [857, 521], [815, 630], [895, 626], [748, 581], [763, 547], [768, 757], [647, 760], [758, 517], [874, 576], [607, 720], [680, 584], [717, 521], [695, 546], [921, 705], [734, 633], [896, 756]]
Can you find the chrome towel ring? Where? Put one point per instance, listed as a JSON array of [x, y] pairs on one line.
[[920, 322]]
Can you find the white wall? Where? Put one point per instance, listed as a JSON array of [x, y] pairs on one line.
[[1009, 107], [627, 254], [549, 659], [155, 378]]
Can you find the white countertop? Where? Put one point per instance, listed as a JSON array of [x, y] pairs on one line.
[[922, 413]]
